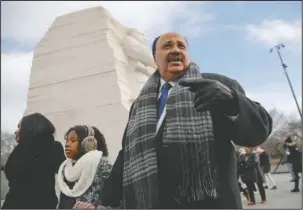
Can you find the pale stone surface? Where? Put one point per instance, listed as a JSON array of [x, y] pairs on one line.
[[87, 69]]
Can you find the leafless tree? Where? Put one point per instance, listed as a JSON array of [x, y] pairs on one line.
[[283, 126], [8, 143]]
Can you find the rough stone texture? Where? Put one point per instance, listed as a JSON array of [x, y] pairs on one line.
[[88, 69]]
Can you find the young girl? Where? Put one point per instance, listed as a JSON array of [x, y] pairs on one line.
[[82, 175]]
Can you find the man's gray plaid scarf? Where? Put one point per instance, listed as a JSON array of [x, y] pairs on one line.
[[189, 132]]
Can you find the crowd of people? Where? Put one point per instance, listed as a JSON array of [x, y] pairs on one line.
[[30, 170], [254, 169], [176, 148]]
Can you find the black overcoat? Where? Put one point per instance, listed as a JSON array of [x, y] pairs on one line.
[[251, 127], [30, 171]]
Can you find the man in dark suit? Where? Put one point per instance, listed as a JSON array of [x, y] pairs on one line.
[[176, 149]]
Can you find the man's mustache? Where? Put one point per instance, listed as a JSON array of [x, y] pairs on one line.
[[175, 56]]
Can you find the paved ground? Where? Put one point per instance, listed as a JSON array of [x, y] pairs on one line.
[[281, 198]]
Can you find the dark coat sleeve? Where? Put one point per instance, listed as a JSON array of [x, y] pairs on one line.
[[253, 124], [112, 191], [111, 194], [58, 155]]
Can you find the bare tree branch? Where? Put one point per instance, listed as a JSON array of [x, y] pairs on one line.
[[8, 143], [283, 126]]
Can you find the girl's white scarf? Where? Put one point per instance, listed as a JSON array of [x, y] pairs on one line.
[[83, 173]]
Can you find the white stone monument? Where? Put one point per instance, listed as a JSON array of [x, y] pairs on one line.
[[88, 69]]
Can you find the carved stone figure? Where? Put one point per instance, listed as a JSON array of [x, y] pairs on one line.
[[87, 69], [140, 62]]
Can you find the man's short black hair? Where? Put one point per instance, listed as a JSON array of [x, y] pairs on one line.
[[154, 45], [155, 42]]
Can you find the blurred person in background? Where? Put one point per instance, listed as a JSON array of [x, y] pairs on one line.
[[253, 174], [31, 167], [241, 163], [295, 158], [265, 166], [286, 161]]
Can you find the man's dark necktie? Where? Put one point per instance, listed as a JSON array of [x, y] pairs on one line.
[[162, 99]]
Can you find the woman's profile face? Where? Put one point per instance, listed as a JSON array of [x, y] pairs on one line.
[[71, 145], [17, 132]]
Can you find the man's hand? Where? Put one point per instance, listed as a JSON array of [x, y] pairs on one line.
[[212, 94]]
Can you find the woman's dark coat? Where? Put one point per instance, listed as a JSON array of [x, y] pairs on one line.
[[295, 158], [264, 162], [241, 166], [252, 171], [30, 171]]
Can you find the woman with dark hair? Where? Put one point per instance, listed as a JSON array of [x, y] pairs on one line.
[[252, 174], [31, 167], [82, 175], [101, 145]]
